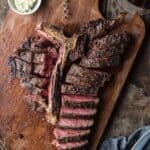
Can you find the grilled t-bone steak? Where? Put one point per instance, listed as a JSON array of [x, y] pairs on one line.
[[68, 72]]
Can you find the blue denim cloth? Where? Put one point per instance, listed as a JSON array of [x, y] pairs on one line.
[[138, 140]]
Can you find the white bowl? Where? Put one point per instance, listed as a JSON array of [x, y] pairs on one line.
[[34, 9]]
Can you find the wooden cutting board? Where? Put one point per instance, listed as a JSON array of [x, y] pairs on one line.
[[20, 127]]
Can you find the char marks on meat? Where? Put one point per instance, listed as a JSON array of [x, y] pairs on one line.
[[83, 81], [95, 52], [105, 52], [87, 78], [32, 63], [101, 62], [99, 28], [94, 29], [111, 40], [79, 90]]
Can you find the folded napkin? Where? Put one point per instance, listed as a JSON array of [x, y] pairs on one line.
[[138, 140]]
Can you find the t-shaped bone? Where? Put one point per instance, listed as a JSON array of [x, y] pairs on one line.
[[65, 45]]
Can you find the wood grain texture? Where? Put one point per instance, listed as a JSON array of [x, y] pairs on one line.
[[22, 128]]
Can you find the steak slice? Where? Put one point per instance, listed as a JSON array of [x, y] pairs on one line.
[[78, 112], [71, 123], [106, 51], [35, 84], [101, 62], [100, 27], [70, 145], [73, 101], [111, 40], [79, 90], [78, 75], [69, 135], [36, 81]]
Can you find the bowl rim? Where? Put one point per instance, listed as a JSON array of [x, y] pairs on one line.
[[34, 9]]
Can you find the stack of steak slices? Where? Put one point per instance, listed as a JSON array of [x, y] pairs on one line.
[[76, 77], [32, 63]]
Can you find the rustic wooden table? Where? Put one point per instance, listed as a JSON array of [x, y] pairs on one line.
[[133, 107]]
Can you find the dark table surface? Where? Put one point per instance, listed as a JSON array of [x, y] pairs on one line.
[[133, 107]]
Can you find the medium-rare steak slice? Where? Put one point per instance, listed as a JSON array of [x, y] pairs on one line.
[[99, 28], [101, 62], [110, 40], [79, 90], [71, 145], [77, 112], [73, 101], [71, 123], [117, 49], [78, 75], [69, 135]]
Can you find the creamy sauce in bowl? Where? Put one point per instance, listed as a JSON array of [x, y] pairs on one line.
[[24, 5]]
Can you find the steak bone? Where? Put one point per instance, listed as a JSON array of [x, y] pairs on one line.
[[66, 45]]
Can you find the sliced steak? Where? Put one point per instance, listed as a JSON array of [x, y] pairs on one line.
[[37, 81], [101, 27], [101, 62], [93, 29], [86, 77], [107, 51], [71, 145], [79, 90], [23, 66], [111, 40], [32, 63], [77, 112], [71, 123], [69, 135], [73, 101]]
